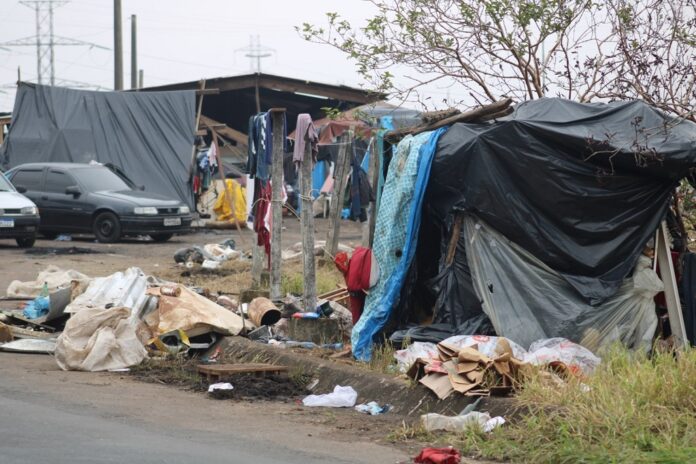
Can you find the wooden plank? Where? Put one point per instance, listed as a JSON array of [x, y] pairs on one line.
[[277, 117], [242, 368], [674, 309], [340, 173], [204, 91], [373, 175], [192, 167], [309, 293]]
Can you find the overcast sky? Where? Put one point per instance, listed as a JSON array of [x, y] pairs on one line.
[[180, 40]]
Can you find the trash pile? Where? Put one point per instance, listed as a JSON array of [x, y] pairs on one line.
[[209, 256], [489, 366], [113, 322]]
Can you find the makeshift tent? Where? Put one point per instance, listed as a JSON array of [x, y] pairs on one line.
[[564, 194], [148, 135]]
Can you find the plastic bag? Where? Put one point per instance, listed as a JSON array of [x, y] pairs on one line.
[[433, 422], [36, 308], [342, 397], [490, 346], [406, 357], [577, 358]]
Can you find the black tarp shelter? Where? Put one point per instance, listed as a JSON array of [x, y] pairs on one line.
[[148, 135]]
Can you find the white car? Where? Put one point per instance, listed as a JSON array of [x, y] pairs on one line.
[[19, 216]]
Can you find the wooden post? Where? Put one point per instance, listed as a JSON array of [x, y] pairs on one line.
[[337, 198], [192, 168], [373, 175], [674, 309], [277, 117], [228, 194], [307, 217]]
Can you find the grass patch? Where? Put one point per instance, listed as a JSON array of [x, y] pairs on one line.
[[637, 409], [292, 280], [178, 371], [382, 359]]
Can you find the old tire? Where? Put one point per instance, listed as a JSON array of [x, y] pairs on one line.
[[107, 227], [26, 242], [161, 238]]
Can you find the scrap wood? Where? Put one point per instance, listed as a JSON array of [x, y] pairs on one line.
[[497, 109], [218, 371], [5, 333]]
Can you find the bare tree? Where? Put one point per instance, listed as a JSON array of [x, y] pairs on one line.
[[526, 49]]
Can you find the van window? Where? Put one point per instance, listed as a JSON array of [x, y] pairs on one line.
[[57, 182], [29, 179]]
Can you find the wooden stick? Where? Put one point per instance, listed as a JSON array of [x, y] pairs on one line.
[[192, 168], [474, 115], [337, 198], [373, 175], [307, 217], [454, 239], [228, 194], [674, 309], [277, 116]]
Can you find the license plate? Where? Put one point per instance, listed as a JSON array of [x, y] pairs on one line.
[[6, 223], [172, 221]]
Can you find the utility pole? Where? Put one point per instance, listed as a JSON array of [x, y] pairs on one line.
[[141, 79], [255, 51], [118, 47], [45, 40], [134, 53]]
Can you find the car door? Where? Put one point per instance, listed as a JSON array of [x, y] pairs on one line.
[[67, 211], [31, 180]]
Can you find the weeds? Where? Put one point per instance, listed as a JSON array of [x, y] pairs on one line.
[[382, 359], [632, 409], [172, 370]]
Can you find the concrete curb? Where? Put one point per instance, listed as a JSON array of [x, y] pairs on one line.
[[407, 399]]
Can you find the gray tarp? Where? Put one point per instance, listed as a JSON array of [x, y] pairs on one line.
[[527, 301], [148, 135]]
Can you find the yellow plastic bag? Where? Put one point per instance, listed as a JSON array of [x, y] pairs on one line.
[[222, 207]]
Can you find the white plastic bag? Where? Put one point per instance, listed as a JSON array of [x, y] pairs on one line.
[[220, 386], [342, 397], [489, 346], [433, 422], [406, 357], [576, 357]]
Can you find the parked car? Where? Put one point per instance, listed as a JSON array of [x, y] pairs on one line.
[[19, 217], [84, 198]]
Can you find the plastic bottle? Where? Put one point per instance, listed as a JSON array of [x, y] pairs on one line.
[[44, 291]]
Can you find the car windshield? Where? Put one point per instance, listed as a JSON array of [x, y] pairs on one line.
[[5, 185], [98, 179]]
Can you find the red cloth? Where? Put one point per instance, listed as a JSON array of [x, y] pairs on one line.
[[358, 280], [438, 456], [356, 271], [263, 202]]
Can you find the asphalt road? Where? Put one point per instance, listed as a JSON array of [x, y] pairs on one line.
[[54, 417]]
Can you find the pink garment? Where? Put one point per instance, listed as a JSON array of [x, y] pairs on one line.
[[305, 132]]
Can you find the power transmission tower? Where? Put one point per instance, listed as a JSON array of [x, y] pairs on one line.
[[255, 51], [45, 40]]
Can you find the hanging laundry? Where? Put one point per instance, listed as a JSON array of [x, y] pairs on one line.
[[305, 132], [360, 191]]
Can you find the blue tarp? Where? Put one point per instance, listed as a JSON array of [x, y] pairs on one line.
[[396, 233]]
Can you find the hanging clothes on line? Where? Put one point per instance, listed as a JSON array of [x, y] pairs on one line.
[[260, 158], [360, 191]]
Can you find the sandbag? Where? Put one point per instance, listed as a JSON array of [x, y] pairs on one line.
[[99, 339]]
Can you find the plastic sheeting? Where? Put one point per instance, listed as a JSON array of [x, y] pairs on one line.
[[119, 289], [148, 135], [396, 229], [99, 339], [527, 301], [53, 276], [563, 180]]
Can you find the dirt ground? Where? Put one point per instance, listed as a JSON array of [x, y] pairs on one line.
[[339, 429], [153, 258]]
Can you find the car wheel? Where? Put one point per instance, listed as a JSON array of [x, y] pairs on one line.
[[49, 234], [107, 227], [161, 237], [26, 242]]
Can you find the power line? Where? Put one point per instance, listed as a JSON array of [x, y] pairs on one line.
[[45, 40], [255, 51]]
